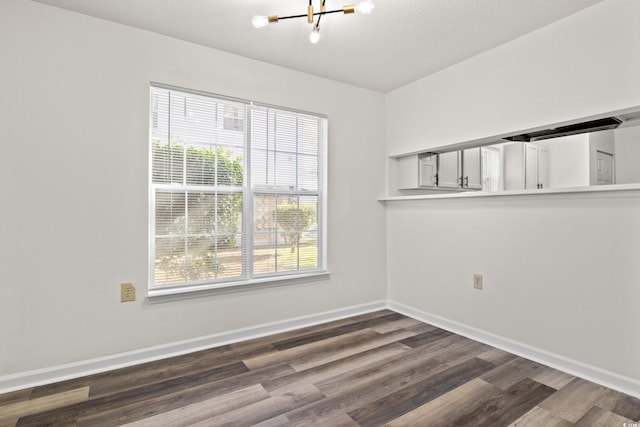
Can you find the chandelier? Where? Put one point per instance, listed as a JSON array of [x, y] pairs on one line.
[[365, 7]]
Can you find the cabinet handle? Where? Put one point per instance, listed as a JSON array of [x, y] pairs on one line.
[[466, 181]]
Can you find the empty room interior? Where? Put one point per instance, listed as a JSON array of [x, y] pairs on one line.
[[416, 213]]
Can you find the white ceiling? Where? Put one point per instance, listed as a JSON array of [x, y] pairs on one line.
[[402, 41]]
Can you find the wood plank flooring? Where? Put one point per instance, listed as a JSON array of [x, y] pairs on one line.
[[376, 369]]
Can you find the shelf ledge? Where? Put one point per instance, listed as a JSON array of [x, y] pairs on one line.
[[544, 192]]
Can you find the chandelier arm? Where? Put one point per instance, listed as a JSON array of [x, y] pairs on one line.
[[280, 18], [315, 14], [329, 11], [292, 16]]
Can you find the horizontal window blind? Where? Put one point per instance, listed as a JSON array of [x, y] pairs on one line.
[[236, 190], [285, 179]]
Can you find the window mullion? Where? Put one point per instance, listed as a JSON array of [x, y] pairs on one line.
[[186, 234], [247, 203]]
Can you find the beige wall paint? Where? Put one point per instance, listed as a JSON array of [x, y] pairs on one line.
[[73, 171]]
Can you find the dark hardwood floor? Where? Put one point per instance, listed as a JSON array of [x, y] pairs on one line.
[[376, 369]]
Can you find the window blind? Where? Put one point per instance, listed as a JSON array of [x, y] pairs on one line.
[[235, 190]]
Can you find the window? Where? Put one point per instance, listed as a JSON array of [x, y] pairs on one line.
[[236, 191]]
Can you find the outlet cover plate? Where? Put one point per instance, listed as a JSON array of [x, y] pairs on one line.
[[477, 281], [127, 292]]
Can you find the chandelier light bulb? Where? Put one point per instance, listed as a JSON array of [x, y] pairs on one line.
[[259, 21], [365, 7], [314, 37]]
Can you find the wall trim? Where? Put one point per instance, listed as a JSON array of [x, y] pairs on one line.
[[574, 367], [38, 377]]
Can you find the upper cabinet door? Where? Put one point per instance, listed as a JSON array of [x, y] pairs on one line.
[[531, 166], [543, 167], [472, 169], [428, 170], [449, 170]]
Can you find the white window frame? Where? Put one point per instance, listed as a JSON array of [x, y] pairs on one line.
[[168, 292]]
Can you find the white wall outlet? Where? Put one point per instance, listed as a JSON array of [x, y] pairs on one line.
[[477, 281]]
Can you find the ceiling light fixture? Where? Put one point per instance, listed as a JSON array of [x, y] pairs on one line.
[[365, 7]]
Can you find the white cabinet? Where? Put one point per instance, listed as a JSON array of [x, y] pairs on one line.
[[449, 170], [417, 171], [455, 170], [472, 169], [526, 166], [460, 169]]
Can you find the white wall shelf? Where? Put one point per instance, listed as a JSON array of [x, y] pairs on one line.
[[631, 190]]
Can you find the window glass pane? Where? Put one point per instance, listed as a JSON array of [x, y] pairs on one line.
[[201, 258], [159, 111], [228, 221], [228, 238], [259, 129], [229, 264], [308, 223], [201, 213], [285, 240], [286, 170], [192, 119], [168, 162], [230, 167], [308, 135], [308, 173], [264, 238], [308, 255], [288, 230], [170, 213], [201, 165], [263, 164], [285, 127], [169, 260]]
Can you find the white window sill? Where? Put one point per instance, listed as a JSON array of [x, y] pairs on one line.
[[160, 295]]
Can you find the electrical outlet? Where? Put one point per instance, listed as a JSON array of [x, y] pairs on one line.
[[477, 281], [127, 292]]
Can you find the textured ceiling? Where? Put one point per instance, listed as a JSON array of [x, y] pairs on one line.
[[402, 41]]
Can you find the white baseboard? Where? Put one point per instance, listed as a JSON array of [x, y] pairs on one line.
[[53, 374], [57, 373], [574, 367]]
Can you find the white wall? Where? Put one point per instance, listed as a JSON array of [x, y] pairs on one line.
[[580, 66], [561, 273], [73, 174], [627, 158], [568, 161]]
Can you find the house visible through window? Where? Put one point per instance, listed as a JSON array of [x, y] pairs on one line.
[[236, 191]]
